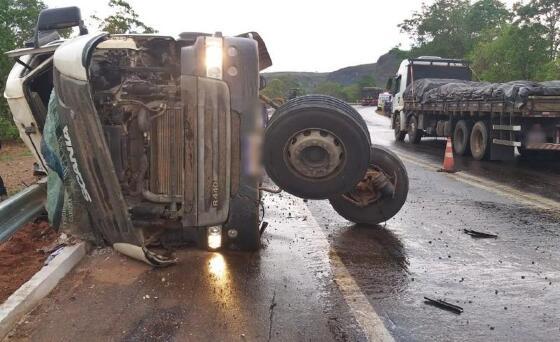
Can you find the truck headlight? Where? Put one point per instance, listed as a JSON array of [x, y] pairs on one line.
[[214, 237], [214, 57]]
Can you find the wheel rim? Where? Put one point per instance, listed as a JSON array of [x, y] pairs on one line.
[[315, 154], [367, 191], [459, 136], [477, 142]]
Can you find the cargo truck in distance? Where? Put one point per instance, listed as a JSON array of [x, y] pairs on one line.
[[370, 95], [435, 97], [154, 141]]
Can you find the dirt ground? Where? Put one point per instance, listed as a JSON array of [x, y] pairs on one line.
[[21, 256], [16, 166]]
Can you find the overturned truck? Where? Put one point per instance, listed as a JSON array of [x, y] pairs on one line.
[[152, 141]]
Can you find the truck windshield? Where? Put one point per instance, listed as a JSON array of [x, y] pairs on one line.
[[439, 71]]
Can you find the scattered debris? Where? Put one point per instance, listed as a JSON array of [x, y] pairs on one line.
[[54, 254], [443, 305], [480, 235], [264, 224]]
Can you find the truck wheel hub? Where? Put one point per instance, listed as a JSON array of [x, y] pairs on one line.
[[315, 153]]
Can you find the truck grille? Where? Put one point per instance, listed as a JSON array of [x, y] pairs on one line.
[[167, 153], [208, 149]]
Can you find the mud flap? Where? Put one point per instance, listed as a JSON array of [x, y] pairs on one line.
[[501, 152]]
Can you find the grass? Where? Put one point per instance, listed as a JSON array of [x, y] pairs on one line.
[[6, 158], [12, 156], [8, 130]]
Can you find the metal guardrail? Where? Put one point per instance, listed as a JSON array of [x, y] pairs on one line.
[[21, 208]]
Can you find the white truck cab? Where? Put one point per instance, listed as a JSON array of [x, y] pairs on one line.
[[32, 63], [417, 68]]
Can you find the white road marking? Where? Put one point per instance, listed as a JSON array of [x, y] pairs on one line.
[[363, 312], [368, 319], [519, 196], [522, 197]]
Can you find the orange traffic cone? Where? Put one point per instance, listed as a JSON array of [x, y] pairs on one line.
[[448, 161]]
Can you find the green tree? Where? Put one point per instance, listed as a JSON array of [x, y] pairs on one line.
[[275, 88], [367, 81], [17, 23], [544, 13], [439, 28], [352, 93], [486, 15], [550, 71], [517, 53], [123, 20], [451, 28], [331, 88]]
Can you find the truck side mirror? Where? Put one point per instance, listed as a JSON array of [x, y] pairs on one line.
[[389, 85], [396, 85], [59, 18]]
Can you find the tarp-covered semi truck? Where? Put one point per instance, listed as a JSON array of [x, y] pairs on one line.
[[435, 97]]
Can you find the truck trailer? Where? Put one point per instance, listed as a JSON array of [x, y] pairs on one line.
[[435, 97]]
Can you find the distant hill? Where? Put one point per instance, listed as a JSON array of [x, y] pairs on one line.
[[385, 67]]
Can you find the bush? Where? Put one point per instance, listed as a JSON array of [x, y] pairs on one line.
[[8, 130]]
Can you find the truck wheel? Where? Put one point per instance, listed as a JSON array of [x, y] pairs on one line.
[[480, 145], [351, 205], [399, 135], [320, 100], [414, 134], [316, 147], [461, 136]]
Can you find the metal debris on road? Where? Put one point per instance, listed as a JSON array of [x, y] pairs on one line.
[[480, 235], [54, 253], [443, 305], [264, 224]]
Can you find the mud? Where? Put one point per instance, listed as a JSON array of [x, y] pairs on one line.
[[21, 256]]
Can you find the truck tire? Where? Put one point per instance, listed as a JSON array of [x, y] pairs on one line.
[[316, 147], [414, 134], [461, 137], [320, 100], [385, 208], [399, 135], [479, 141]]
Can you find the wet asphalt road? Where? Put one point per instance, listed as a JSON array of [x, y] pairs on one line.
[[321, 278], [540, 176]]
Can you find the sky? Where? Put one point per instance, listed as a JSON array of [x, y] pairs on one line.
[[301, 35]]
